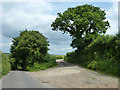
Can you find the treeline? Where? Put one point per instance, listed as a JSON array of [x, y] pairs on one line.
[[102, 55], [5, 66]]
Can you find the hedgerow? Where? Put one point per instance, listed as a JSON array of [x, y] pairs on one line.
[[101, 55]]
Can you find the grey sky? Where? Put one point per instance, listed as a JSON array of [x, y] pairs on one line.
[[39, 16]]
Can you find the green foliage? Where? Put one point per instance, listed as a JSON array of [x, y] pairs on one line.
[[87, 25], [70, 57], [7, 54], [12, 62], [41, 66], [58, 56], [5, 64], [101, 55], [84, 23], [93, 65], [27, 48]]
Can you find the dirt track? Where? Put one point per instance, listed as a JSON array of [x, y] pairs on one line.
[[67, 75]]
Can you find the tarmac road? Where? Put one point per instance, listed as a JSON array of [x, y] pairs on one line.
[[20, 79]]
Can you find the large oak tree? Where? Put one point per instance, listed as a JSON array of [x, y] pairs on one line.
[[84, 23]]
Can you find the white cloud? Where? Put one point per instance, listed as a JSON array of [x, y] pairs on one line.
[[29, 15], [3, 44], [38, 16], [61, 0], [34, 16], [112, 17], [61, 49]]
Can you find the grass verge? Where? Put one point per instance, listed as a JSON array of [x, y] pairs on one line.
[[5, 65], [44, 65]]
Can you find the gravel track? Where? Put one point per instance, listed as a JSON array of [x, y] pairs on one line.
[[67, 75]]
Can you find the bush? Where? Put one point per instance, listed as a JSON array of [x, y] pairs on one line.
[[93, 65], [70, 57], [5, 64], [51, 62], [12, 62]]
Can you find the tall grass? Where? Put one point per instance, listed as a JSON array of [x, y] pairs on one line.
[[44, 65], [5, 65]]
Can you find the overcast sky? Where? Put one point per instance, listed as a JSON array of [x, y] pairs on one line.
[[16, 16]]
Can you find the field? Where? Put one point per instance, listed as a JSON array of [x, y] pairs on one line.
[[58, 56], [7, 54]]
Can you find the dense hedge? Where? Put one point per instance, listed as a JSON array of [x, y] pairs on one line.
[[5, 64], [101, 55]]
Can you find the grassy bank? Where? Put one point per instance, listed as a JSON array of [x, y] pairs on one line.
[[51, 62], [5, 65]]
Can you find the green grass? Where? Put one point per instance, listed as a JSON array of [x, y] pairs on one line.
[[39, 67], [58, 56], [42, 66], [7, 54], [5, 64], [100, 72]]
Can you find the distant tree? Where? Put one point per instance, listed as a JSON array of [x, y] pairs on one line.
[[29, 47], [84, 23]]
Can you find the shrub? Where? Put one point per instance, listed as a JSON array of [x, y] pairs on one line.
[[51, 62], [5, 64], [93, 65], [12, 62], [70, 57]]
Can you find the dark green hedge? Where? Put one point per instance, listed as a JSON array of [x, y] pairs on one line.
[[101, 55]]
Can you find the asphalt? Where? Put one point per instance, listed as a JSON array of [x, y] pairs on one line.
[[20, 79]]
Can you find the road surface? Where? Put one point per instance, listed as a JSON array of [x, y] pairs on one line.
[[19, 79], [67, 75]]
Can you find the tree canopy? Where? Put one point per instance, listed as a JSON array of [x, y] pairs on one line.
[[84, 23], [29, 47]]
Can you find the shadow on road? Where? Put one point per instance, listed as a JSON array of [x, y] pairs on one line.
[[62, 63], [18, 70]]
